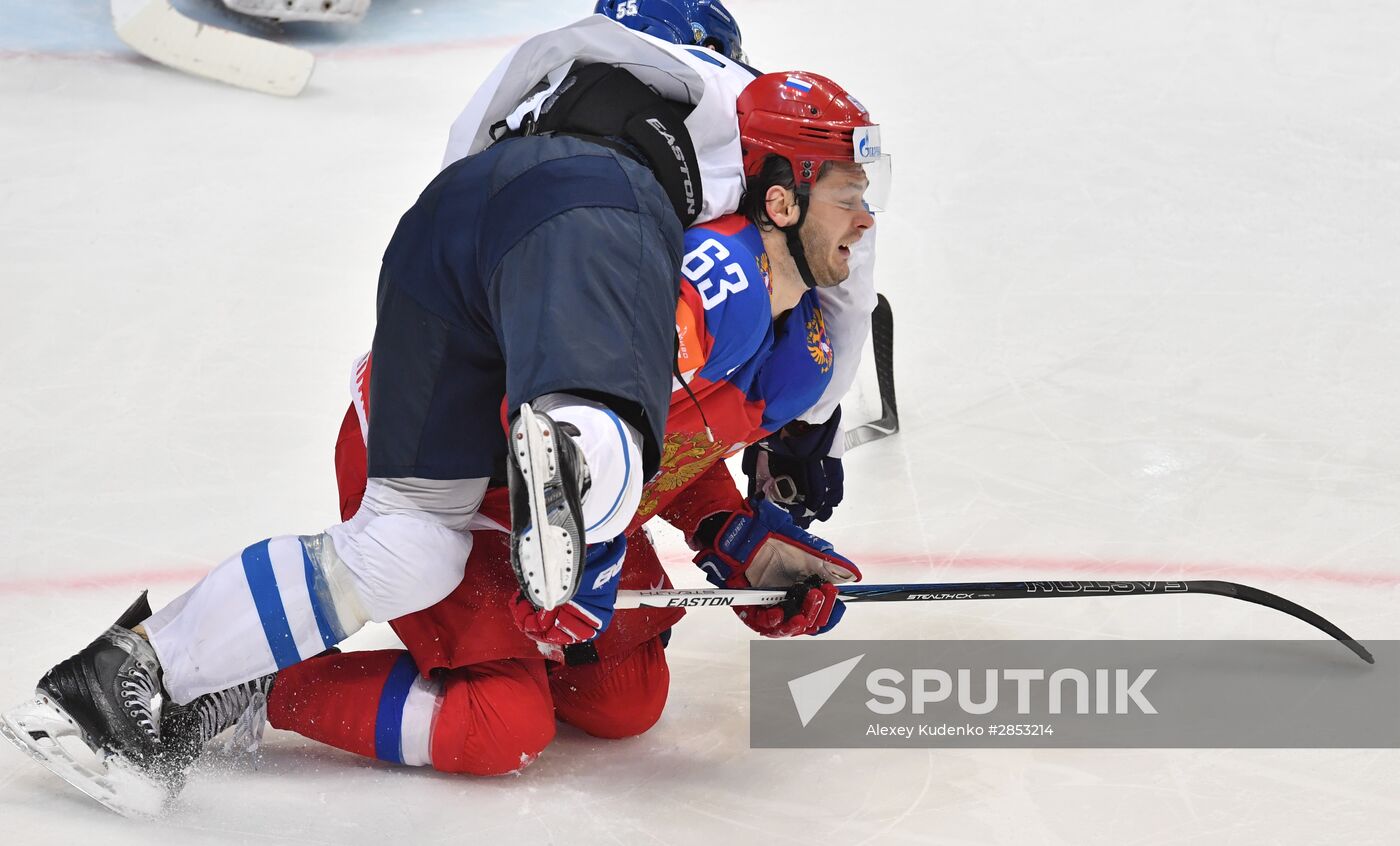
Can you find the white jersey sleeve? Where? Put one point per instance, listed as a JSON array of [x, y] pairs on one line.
[[847, 309], [686, 74]]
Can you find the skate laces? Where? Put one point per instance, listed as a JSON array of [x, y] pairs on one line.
[[248, 731], [244, 705], [585, 479], [141, 697], [556, 503]]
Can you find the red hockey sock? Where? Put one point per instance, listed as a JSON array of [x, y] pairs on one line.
[[486, 719], [371, 703]]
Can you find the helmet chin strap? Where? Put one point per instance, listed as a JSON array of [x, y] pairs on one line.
[[794, 240]]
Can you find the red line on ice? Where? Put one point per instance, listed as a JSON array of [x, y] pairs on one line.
[[329, 51], [128, 578]]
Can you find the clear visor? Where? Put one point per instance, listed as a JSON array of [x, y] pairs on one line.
[[854, 187], [877, 192]]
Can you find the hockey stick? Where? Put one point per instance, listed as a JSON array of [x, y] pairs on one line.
[[990, 590], [154, 29], [882, 339]]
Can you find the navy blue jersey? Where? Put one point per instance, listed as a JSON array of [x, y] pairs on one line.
[[538, 265]]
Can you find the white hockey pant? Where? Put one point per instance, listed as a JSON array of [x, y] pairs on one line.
[[288, 598]]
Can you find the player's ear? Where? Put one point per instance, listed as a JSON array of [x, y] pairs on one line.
[[781, 205]]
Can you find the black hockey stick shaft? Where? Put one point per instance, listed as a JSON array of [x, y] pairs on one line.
[[1028, 590], [959, 591], [882, 343]]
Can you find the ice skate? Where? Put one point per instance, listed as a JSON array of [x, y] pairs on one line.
[[95, 719], [187, 729], [548, 480]]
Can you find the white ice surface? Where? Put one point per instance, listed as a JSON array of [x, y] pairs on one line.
[[1143, 259]]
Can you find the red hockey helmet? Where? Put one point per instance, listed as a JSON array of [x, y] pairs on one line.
[[809, 120]]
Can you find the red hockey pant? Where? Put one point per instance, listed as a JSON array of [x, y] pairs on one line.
[[491, 718]]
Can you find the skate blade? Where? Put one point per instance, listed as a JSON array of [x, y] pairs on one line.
[[548, 555], [46, 732]]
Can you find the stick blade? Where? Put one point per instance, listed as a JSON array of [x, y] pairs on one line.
[[154, 29], [872, 431], [1278, 603]]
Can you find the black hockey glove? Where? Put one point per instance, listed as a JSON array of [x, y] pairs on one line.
[[794, 468]]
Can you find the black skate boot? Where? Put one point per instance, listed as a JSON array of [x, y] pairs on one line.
[[186, 730], [548, 480], [95, 720]]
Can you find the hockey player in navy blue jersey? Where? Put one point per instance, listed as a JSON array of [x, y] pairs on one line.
[[590, 178], [527, 298]]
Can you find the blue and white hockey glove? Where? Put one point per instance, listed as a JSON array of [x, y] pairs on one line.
[[760, 546], [586, 615], [795, 468]]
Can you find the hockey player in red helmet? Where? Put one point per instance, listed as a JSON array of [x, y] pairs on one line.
[[811, 151]]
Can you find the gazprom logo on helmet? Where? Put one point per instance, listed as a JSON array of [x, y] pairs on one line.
[[866, 140]]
